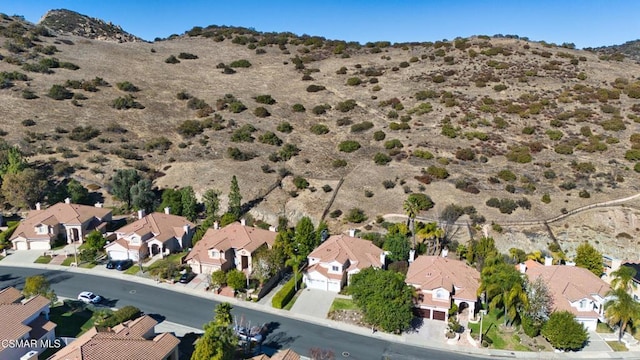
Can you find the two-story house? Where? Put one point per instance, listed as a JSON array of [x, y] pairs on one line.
[[230, 247], [331, 265], [24, 324], [152, 234], [440, 282], [41, 228], [133, 339], [574, 289]]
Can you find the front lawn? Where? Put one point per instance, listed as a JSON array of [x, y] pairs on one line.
[[71, 322], [133, 270], [43, 260], [603, 328], [496, 334], [342, 304], [68, 261], [293, 300]]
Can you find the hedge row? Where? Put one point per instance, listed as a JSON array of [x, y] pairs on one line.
[[282, 297]]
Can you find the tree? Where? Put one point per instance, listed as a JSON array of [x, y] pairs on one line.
[[481, 250], [142, 195], [189, 203], [228, 218], [235, 198], [294, 261], [122, 182], [398, 247], [504, 287], [305, 236], [564, 332], [412, 208], [38, 285], [95, 241], [11, 159], [24, 188], [589, 258], [430, 231], [385, 299], [211, 203], [236, 279], [265, 264], [218, 278], [621, 310], [219, 341], [78, 193], [540, 305], [623, 279], [171, 199]]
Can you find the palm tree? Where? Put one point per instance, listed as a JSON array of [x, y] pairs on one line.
[[411, 207], [431, 231], [504, 287], [621, 309], [294, 261], [623, 279]]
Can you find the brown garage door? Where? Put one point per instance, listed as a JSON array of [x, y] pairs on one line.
[[439, 315], [423, 313]]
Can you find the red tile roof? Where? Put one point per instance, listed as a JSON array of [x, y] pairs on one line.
[[433, 272], [360, 253], [157, 225]]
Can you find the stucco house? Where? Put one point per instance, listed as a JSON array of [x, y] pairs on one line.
[[24, 324], [41, 228], [152, 234], [331, 265], [574, 289], [612, 265], [133, 339], [442, 281], [230, 247]]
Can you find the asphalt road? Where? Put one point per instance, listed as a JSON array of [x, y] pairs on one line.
[[195, 312]]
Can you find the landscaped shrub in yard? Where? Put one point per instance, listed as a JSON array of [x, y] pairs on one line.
[[282, 297]]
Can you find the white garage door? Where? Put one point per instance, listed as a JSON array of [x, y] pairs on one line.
[[40, 245], [21, 245], [316, 284], [334, 286], [117, 255]]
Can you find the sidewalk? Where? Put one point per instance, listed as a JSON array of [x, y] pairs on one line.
[[423, 338]]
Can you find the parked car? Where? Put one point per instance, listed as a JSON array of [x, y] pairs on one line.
[[111, 264], [88, 297], [186, 277], [124, 264]]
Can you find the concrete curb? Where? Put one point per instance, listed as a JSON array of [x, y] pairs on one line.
[[482, 353]]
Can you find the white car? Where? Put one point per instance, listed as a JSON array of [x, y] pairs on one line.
[[88, 297]]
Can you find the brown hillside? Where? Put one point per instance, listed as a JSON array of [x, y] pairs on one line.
[[506, 118]]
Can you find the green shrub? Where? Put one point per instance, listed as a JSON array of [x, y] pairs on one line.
[[80, 133], [381, 159], [363, 126], [266, 99], [270, 138], [298, 108], [379, 135], [346, 106], [172, 60], [349, 146], [127, 86], [243, 63], [554, 134], [507, 175], [261, 112], [437, 172], [356, 215], [465, 154], [300, 182], [393, 144], [423, 154], [315, 88], [126, 102], [239, 155], [236, 107], [399, 126], [319, 109], [187, 56], [282, 297], [319, 129], [519, 154], [284, 127], [564, 149], [59, 92], [632, 155], [190, 128], [338, 163], [354, 81], [423, 108], [288, 151]]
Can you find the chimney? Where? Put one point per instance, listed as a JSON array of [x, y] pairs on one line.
[[38, 206], [570, 263], [412, 255], [445, 252], [273, 228], [67, 201], [352, 232], [98, 205], [186, 228], [523, 268], [243, 222], [140, 214], [216, 225], [383, 260], [548, 261], [167, 210]]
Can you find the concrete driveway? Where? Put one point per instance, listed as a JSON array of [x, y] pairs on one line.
[[596, 343], [314, 303], [21, 257]]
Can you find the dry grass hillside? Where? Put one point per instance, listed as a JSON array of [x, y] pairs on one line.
[[510, 129]]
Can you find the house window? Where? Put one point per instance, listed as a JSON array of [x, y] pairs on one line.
[[334, 268], [583, 304], [42, 229], [215, 254], [440, 294]]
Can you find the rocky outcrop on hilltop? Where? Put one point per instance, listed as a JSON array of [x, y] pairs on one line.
[[70, 22]]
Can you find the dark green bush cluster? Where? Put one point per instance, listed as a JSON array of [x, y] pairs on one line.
[[320, 109], [172, 59], [300, 182], [7, 78], [346, 106], [354, 81], [243, 63], [282, 297], [437, 172], [59, 92], [239, 155], [393, 144], [270, 138], [426, 94], [298, 108], [507, 175], [288, 151], [127, 86], [360, 127], [121, 315], [423, 154], [187, 56], [126, 102], [84, 133], [285, 127], [190, 128], [243, 134], [338, 163], [319, 129], [519, 154], [399, 126], [265, 99], [465, 154], [315, 88], [379, 135], [381, 158], [506, 206], [261, 112], [159, 143], [356, 215], [349, 146]]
